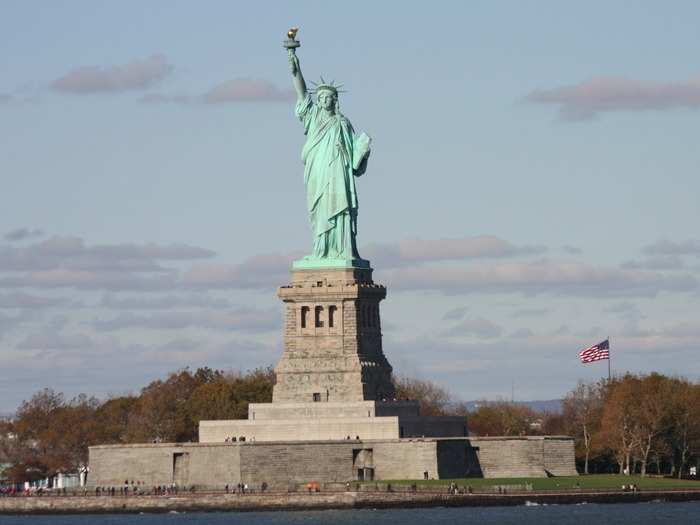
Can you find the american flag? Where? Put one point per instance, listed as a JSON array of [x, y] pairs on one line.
[[595, 353]]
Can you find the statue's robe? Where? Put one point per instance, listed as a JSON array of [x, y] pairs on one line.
[[333, 156]]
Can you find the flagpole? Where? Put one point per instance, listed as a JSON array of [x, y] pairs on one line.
[[609, 359]]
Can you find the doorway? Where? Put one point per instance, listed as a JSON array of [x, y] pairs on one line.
[[181, 468]]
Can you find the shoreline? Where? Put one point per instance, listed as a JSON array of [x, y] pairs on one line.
[[218, 502]]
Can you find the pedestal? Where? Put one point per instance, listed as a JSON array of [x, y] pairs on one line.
[[332, 338]]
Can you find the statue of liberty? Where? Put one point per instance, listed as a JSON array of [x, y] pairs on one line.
[[333, 156]]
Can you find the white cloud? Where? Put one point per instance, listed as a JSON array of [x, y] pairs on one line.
[[604, 94], [542, 276], [167, 302], [160, 98], [56, 341], [70, 252], [455, 314], [68, 262], [522, 333], [242, 319], [20, 234], [89, 280], [245, 90], [530, 312], [627, 311], [659, 262], [479, 327], [269, 270], [541, 365], [235, 91], [25, 300], [259, 271], [571, 250], [136, 75], [104, 366], [671, 248], [415, 251]]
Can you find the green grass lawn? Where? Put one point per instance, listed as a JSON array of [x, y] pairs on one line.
[[592, 481]]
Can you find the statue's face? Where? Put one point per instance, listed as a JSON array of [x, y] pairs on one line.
[[326, 99]]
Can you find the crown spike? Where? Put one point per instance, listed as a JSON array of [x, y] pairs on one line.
[[330, 86]]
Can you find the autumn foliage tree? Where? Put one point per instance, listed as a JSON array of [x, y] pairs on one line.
[[581, 413], [50, 434], [639, 421], [633, 423], [433, 399], [502, 418]]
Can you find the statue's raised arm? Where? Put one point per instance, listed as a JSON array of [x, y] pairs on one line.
[[298, 79]]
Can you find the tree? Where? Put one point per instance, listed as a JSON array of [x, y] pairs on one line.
[[112, 419], [34, 416], [73, 428], [502, 418], [252, 387], [683, 434], [554, 424], [617, 429], [433, 399], [160, 414], [49, 435], [214, 400], [582, 409], [651, 413]]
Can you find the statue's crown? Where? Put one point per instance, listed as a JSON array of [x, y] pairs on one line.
[[328, 86]]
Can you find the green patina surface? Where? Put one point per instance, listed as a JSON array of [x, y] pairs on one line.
[[593, 481], [333, 156], [320, 262]]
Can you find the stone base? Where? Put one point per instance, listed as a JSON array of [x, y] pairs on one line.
[[331, 421], [294, 430], [357, 409], [280, 464], [525, 456]]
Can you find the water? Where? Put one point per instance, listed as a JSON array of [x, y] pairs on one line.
[[638, 513]]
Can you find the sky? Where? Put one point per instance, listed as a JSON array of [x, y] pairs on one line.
[[532, 189]]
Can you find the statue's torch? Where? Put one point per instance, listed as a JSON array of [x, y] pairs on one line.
[[291, 43]]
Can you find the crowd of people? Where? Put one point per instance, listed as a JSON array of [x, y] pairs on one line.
[[31, 491]]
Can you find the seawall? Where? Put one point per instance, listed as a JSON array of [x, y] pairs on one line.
[[328, 500]]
